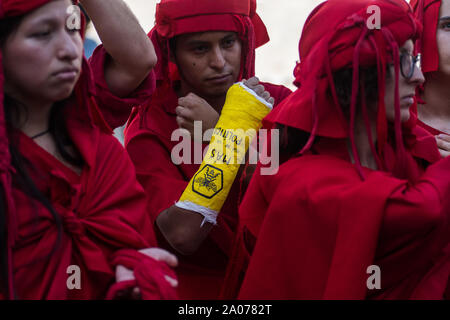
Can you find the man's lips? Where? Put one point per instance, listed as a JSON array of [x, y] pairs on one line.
[[219, 78]]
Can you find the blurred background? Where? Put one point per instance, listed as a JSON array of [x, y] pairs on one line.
[[284, 20]]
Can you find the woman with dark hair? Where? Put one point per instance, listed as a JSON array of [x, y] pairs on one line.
[[72, 214], [360, 207], [434, 44]]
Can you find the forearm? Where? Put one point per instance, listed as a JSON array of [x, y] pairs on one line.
[[183, 229], [132, 54]]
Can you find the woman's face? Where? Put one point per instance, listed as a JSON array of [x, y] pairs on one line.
[[407, 88], [42, 58], [443, 37]]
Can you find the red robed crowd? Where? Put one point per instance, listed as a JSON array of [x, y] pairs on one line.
[[359, 207]]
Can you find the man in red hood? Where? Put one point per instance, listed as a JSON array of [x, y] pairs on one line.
[[203, 47]]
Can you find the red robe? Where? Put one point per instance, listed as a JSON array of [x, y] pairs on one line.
[[148, 142], [319, 227], [116, 110]]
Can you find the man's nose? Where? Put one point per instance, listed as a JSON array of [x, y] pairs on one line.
[[217, 58]]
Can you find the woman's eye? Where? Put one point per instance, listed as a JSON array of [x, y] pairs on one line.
[[41, 34]]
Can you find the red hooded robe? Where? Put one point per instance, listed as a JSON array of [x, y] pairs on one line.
[[148, 134], [322, 222], [102, 210]]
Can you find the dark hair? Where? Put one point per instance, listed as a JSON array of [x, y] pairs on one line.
[[22, 179], [293, 140]]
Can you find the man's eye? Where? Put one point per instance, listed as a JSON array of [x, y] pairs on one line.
[[200, 49], [229, 43]]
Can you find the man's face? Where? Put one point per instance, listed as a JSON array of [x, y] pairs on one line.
[[209, 62]]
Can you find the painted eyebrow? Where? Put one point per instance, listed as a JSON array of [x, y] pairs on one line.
[[444, 18]]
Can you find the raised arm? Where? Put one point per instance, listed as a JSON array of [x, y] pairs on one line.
[[131, 53]]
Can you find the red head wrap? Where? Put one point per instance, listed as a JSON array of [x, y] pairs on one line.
[[345, 41], [175, 17], [427, 12]]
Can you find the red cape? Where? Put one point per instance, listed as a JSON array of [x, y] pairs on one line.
[[319, 228]]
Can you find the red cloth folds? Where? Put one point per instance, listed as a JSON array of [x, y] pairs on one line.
[[149, 274], [427, 12], [307, 251], [345, 42]]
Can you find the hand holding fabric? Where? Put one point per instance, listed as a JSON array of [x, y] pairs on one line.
[[144, 275], [443, 143]]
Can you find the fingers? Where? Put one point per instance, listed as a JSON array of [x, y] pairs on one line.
[[173, 282], [253, 83], [161, 255], [443, 143], [123, 274], [191, 100], [185, 124]]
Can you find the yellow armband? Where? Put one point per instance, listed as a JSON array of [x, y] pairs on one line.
[[238, 124]]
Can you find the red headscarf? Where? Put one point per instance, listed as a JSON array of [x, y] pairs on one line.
[[345, 41], [84, 108], [175, 17], [427, 12]]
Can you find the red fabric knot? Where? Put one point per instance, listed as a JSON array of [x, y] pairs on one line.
[[64, 198], [71, 223], [164, 25]]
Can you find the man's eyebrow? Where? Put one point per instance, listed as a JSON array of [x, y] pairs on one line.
[[196, 42], [444, 18]]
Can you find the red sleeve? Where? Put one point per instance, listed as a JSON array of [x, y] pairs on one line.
[[411, 207], [161, 179], [278, 92], [116, 110]]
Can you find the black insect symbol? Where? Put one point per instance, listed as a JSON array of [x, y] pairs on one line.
[[208, 180]]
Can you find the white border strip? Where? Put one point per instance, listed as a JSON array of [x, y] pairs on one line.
[[267, 104], [210, 215]]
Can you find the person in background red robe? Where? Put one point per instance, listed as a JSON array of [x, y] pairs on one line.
[[434, 110], [360, 210], [72, 222], [203, 47]]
